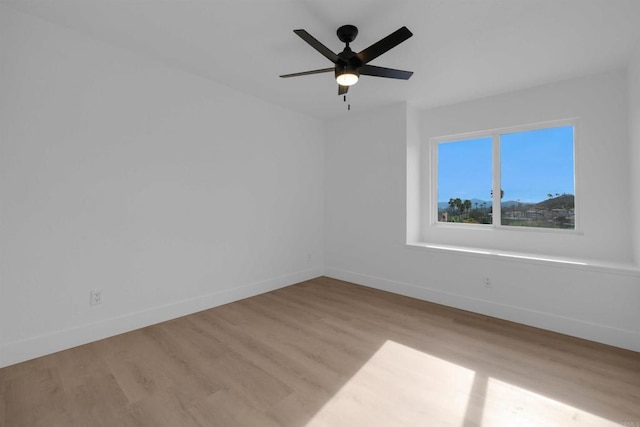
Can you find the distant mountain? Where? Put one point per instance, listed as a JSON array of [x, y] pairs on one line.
[[564, 201], [511, 203]]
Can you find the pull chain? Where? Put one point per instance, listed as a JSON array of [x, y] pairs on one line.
[[344, 99]]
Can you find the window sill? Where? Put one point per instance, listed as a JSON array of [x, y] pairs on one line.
[[582, 264], [505, 228]]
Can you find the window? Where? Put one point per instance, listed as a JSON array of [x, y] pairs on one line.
[[517, 177]]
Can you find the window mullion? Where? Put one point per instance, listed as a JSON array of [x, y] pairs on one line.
[[497, 187]]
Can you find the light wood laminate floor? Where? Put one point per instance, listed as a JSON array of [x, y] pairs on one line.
[[327, 353]]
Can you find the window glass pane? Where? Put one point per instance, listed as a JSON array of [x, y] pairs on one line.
[[464, 181], [537, 177]]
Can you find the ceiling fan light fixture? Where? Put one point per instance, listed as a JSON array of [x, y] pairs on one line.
[[347, 76]]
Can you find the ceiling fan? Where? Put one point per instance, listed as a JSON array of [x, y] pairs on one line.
[[349, 65]]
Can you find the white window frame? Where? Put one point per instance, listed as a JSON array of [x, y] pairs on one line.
[[494, 134]]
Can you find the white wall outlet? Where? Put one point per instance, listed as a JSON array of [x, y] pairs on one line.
[[96, 297], [486, 282]]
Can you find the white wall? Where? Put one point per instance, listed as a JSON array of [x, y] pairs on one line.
[[634, 134], [167, 192], [366, 218]]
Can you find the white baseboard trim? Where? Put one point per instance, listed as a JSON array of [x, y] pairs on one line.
[[604, 334], [32, 347]]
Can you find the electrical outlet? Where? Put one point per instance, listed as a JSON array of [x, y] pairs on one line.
[[96, 297], [486, 282]]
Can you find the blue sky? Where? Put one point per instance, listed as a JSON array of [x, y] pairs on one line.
[[534, 163]]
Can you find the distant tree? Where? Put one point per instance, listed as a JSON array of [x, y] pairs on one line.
[[452, 206], [457, 204], [467, 205], [549, 195]]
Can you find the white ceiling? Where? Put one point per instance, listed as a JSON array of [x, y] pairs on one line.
[[461, 49]]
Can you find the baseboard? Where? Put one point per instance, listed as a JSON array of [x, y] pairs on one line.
[[30, 348], [604, 334]]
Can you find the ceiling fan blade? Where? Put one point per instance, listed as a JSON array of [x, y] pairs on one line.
[[382, 46], [306, 73], [342, 90], [317, 45], [372, 70]]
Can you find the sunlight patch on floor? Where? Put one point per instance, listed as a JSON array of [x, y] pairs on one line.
[[400, 386], [508, 405]]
